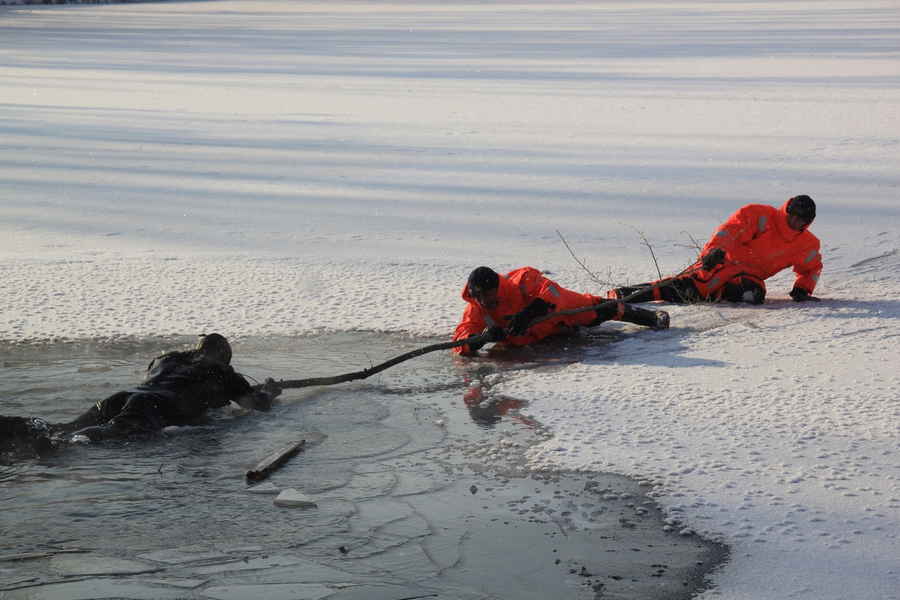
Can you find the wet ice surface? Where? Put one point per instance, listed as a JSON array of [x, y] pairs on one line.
[[417, 476]]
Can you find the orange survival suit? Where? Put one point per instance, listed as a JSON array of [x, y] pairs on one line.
[[758, 243], [515, 291]]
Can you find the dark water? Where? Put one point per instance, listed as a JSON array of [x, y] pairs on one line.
[[421, 489]]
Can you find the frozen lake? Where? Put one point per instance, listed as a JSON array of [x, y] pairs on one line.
[[417, 473]]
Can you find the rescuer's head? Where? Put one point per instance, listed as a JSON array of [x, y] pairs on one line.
[[801, 211], [483, 283]]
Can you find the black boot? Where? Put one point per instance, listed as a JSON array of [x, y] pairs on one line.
[[744, 290], [654, 319]]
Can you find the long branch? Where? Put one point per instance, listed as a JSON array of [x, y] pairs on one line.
[[299, 383]]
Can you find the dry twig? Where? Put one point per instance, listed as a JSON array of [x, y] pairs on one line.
[[649, 247], [581, 263]]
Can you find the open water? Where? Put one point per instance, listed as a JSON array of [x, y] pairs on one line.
[[417, 474]]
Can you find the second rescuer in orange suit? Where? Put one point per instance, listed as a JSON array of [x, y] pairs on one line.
[[505, 305], [754, 244]]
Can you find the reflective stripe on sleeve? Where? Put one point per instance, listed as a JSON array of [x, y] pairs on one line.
[[812, 254], [761, 224]]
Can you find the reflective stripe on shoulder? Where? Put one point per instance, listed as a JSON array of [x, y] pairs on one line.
[[761, 224], [722, 233], [522, 290], [553, 290], [812, 254]]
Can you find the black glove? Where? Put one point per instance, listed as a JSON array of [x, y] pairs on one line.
[[494, 334], [473, 347], [262, 401], [271, 387], [801, 295], [712, 259], [520, 321], [263, 397]]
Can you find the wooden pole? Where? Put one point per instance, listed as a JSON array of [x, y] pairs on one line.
[[299, 383], [271, 462]]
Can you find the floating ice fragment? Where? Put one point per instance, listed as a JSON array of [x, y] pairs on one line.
[[292, 498]]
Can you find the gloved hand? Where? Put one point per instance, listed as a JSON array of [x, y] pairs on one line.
[[271, 387], [494, 334], [471, 349], [712, 259], [261, 401], [520, 321], [801, 295], [263, 397]]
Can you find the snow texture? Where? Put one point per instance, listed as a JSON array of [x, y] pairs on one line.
[[259, 168]]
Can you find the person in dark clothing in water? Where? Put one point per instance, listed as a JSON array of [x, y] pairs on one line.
[[178, 389]]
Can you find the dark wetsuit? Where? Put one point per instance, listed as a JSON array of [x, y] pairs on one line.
[[23, 436], [178, 389]]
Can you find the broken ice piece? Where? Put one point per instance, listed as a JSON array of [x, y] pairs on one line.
[[292, 498]]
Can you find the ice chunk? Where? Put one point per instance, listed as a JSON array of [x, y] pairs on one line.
[[292, 498]]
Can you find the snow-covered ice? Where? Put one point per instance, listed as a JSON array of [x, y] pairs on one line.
[[260, 167]]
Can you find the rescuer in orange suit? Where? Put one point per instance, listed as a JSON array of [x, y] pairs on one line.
[[754, 244], [505, 305]]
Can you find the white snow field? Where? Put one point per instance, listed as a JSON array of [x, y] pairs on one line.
[[293, 167]]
